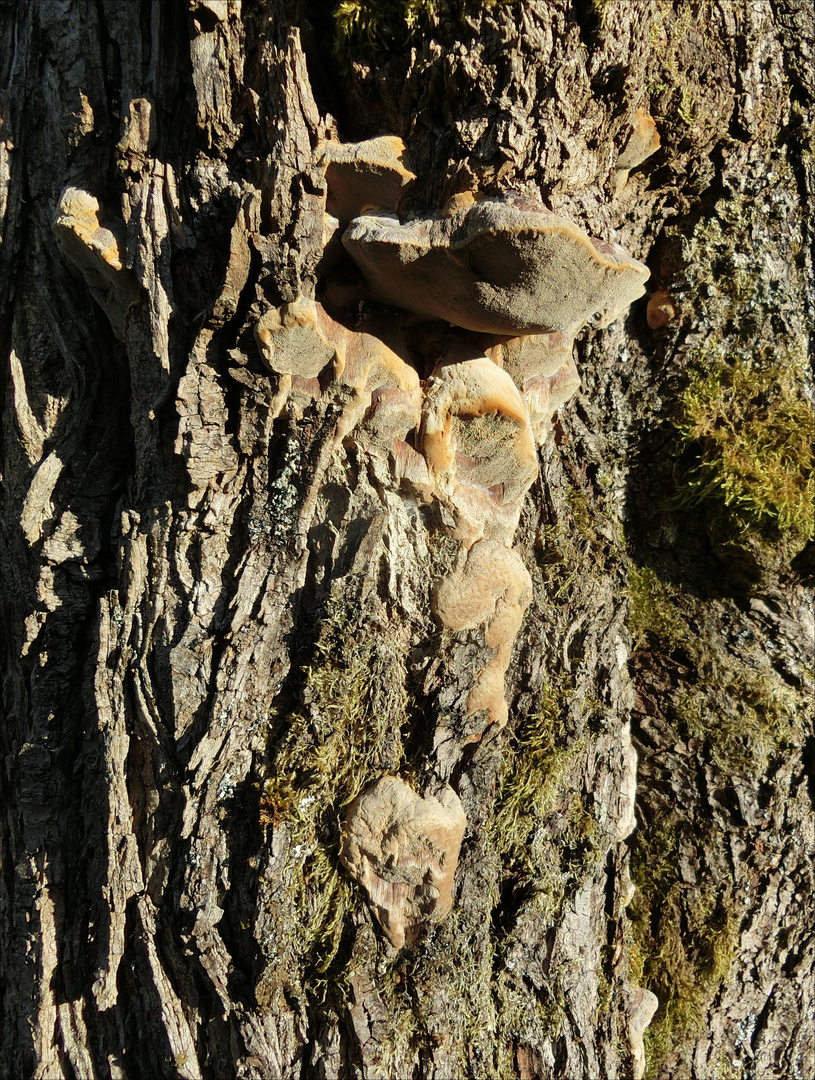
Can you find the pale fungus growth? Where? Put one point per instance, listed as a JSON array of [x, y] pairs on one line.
[[387, 397], [642, 1006], [517, 283], [643, 141], [532, 355], [97, 251], [542, 366], [295, 339], [403, 849], [545, 394], [479, 446], [300, 340], [660, 310], [495, 268], [374, 174], [492, 588]]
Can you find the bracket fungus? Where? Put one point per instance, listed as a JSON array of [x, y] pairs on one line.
[[298, 341], [642, 1006], [491, 588], [660, 310], [478, 443], [643, 141], [96, 250], [294, 339], [494, 267], [373, 174], [403, 849], [517, 283], [506, 285], [543, 367]]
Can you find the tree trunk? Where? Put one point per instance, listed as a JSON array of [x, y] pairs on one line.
[[217, 606]]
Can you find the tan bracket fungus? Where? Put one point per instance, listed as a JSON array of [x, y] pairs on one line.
[[541, 366], [495, 268], [97, 251], [643, 141], [403, 850], [361, 176], [479, 446], [661, 309], [490, 588], [642, 1006], [524, 279], [298, 341]]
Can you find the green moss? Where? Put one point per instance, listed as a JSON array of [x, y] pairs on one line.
[[737, 713], [687, 106], [745, 718], [752, 433], [403, 1033], [686, 941], [372, 25], [523, 1018], [584, 519], [561, 562], [655, 609], [743, 417], [533, 771], [347, 733]]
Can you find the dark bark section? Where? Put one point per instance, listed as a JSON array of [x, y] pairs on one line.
[[193, 585]]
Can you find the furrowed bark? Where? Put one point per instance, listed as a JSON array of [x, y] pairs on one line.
[[217, 621]]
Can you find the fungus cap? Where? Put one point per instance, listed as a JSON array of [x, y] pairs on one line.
[[374, 173], [97, 251], [494, 268], [491, 589], [294, 339], [479, 445], [545, 395], [660, 310], [643, 141], [532, 355]]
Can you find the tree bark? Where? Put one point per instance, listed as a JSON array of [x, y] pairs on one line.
[[216, 616]]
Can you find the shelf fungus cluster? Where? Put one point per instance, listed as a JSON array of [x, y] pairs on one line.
[[497, 290]]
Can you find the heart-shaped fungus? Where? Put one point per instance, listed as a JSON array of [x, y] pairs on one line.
[[403, 849]]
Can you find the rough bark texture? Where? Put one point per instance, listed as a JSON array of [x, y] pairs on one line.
[[216, 623]]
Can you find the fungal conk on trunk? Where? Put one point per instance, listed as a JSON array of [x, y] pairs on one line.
[[505, 286]]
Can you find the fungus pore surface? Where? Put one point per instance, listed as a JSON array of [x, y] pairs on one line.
[[495, 267]]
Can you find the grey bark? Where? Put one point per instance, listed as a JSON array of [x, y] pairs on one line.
[[172, 552]]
